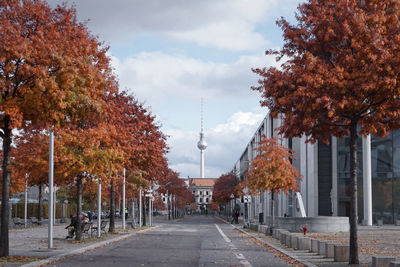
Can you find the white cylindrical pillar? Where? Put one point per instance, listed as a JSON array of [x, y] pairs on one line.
[[140, 208], [51, 180], [367, 180], [99, 209], [201, 163], [26, 204], [123, 202]]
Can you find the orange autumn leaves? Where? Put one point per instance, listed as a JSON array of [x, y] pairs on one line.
[[271, 170]]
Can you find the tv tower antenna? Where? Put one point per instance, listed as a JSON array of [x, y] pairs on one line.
[[202, 144]]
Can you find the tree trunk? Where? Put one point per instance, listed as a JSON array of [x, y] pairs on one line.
[[7, 136], [78, 233], [144, 210], [112, 208], [353, 258], [40, 207]]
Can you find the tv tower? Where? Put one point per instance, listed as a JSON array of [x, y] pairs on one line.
[[202, 144]]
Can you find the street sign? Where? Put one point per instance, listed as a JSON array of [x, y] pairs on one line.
[[148, 195], [247, 199]]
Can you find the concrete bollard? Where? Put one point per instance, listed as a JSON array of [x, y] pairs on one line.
[[397, 222], [394, 264], [322, 247], [379, 222], [314, 245], [382, 261], [330, 248], [304, 243], [294, 242], [288, 241], [341, 253]]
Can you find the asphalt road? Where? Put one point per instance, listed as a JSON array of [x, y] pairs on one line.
[[193, 241]]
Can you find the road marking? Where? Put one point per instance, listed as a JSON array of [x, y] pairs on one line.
[[234, 249]]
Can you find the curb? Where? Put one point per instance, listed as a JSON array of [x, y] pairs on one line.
[[84, 249], [306, 263]]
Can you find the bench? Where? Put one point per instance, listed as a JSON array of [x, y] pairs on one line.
[[86, 228], [103, 226], [18, 222], [34, 220]]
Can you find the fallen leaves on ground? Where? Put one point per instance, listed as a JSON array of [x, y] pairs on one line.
[[18, 259]]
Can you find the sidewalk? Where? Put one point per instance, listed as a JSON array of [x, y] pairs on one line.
[[373, 240], [32, 242]]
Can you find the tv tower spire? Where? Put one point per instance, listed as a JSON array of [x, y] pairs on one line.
[[202, 144]]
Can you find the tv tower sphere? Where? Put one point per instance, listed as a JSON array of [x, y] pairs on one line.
[[202, 144]]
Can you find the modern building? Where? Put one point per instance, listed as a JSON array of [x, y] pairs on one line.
[[325, 187]]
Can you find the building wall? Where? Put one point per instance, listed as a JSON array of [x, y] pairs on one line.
[[325, 170]]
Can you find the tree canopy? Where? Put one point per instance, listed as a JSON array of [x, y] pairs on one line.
[[341, 72]]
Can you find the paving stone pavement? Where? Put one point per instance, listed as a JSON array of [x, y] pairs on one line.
[[33, 241], [373, 240]]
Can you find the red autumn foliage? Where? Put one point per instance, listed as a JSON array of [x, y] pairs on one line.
[[224, 187], [341, 73]]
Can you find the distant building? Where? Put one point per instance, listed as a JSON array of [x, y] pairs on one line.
[[202, 189]]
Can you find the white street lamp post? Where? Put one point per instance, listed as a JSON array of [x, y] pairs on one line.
[[123, 202], [51, 180], [99, 208], [26, 203], [140, 208]]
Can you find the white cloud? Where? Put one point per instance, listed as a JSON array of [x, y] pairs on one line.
[[224, 24], [157, 76], [226, 142]]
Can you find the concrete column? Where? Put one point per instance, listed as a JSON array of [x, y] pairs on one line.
[[334, 195], [367, 180]]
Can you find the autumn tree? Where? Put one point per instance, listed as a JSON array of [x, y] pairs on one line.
[[341, 73], [51, 70], [271, 170], [170, 183], [140, 139], [224, 187], [31, 161]]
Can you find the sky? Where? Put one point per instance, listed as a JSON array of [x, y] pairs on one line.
[[171, 53]]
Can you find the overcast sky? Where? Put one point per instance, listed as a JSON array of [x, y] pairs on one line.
[[170, 53]]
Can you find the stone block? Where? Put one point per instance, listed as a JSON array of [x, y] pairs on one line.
[[288, 241], [282, 238], [382, 261], [304, 243], [330, 248], [322, 247], [314, 245], [341, 253], [294, 242], [394, 264]]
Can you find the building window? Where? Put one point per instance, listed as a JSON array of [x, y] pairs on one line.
[[194, 192], [206, 200], [201, 192], [207, 193], [200, 200]]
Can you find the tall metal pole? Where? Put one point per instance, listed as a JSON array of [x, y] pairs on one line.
[[149, 211], [99, 208], [169, 215], [54, 205], [133, 214], [51, 180], [26, 203], [123, 201], [140, 208]]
